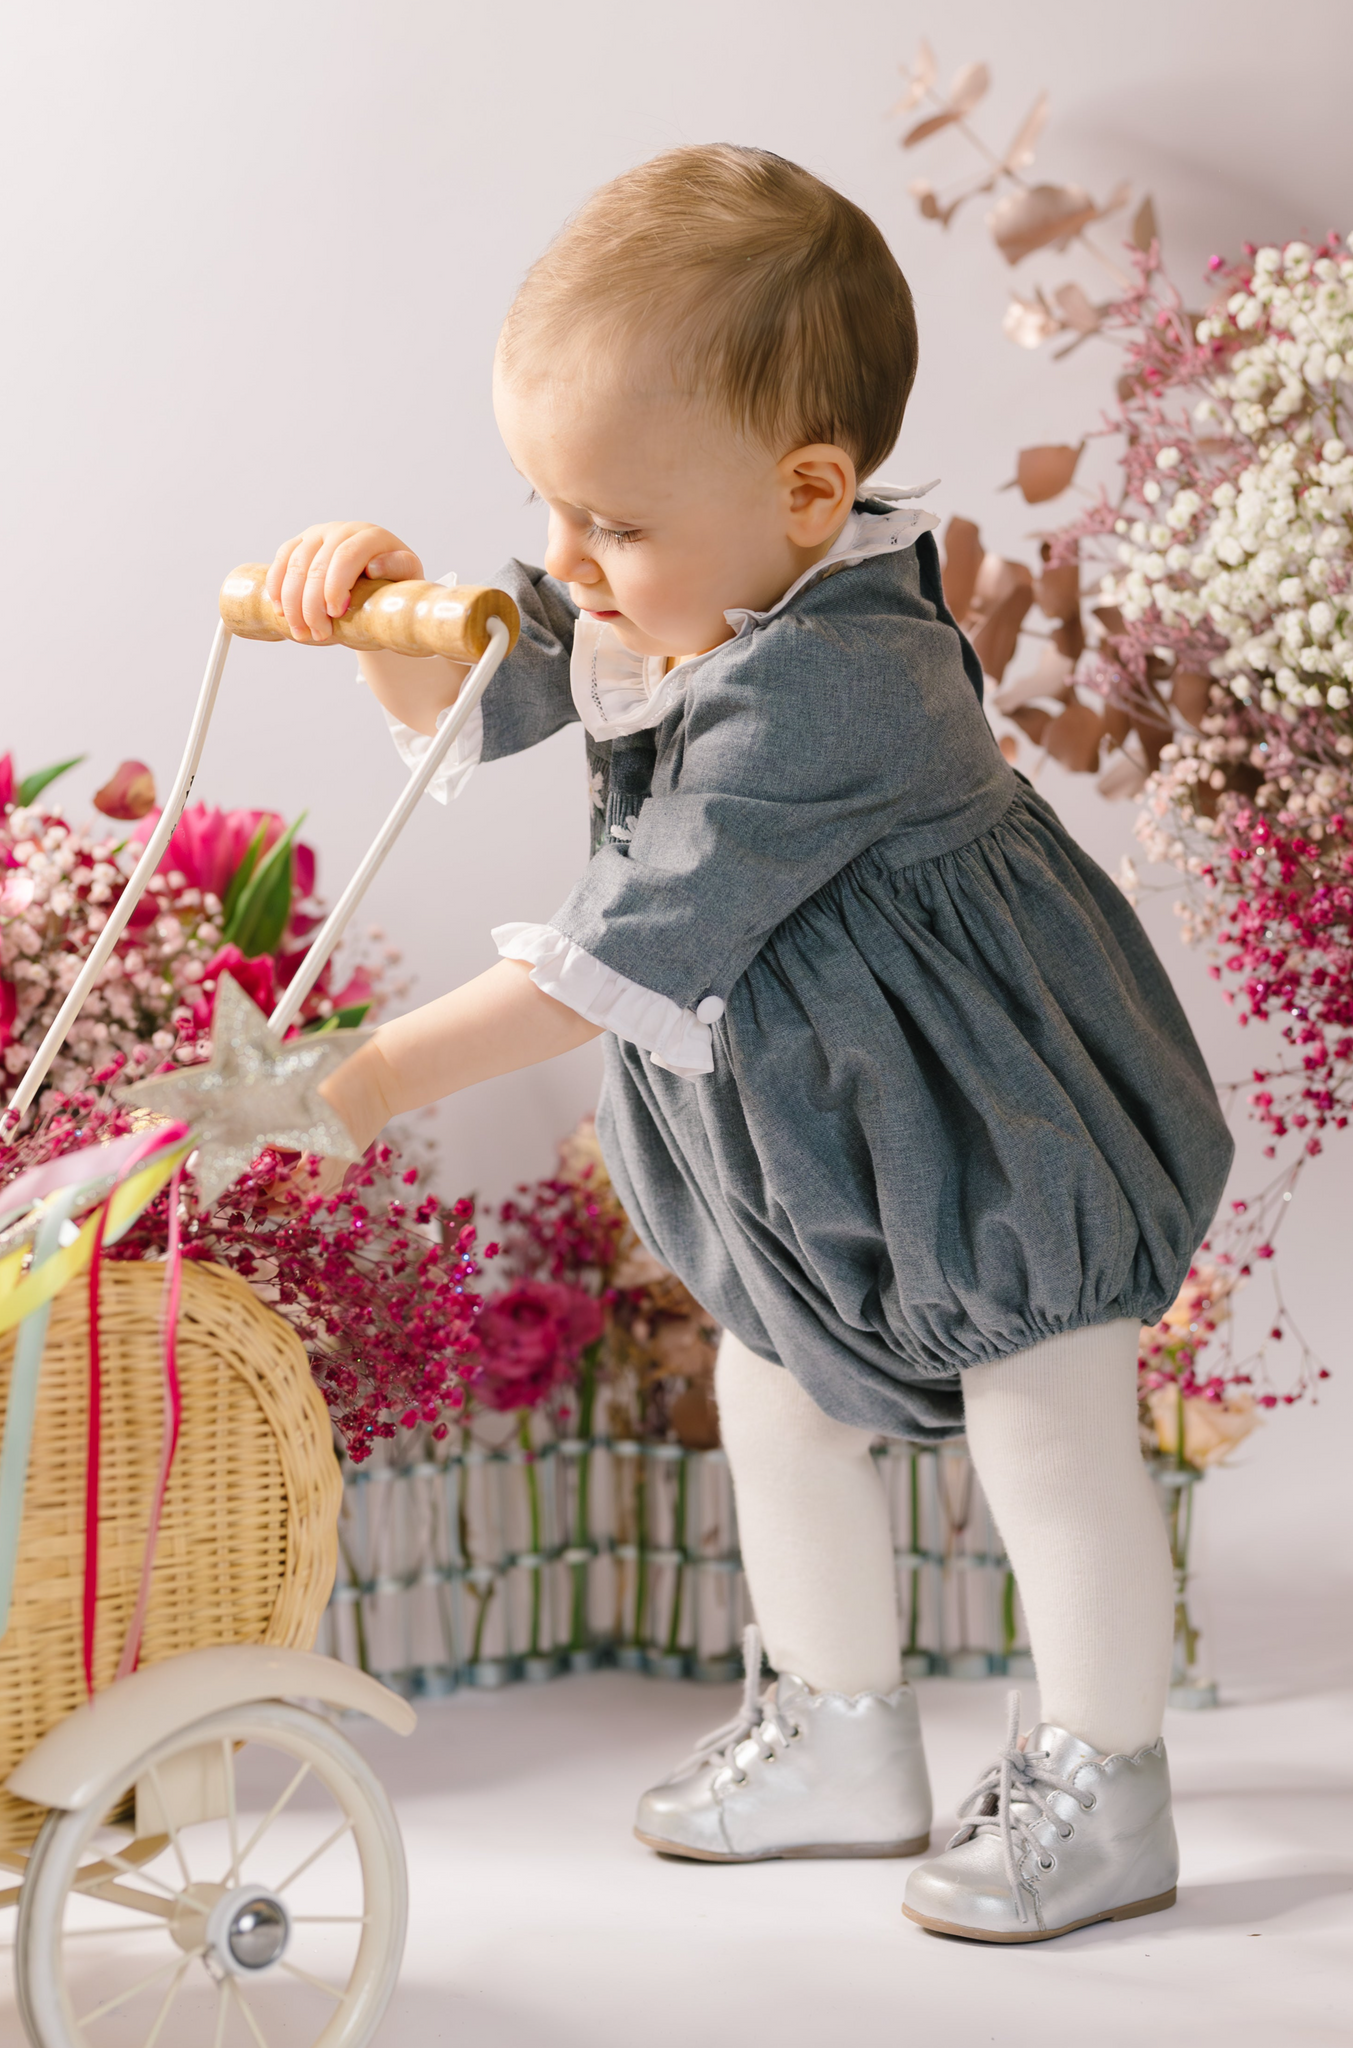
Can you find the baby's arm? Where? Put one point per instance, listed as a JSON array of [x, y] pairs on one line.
[[495, 1024], [311, 579]]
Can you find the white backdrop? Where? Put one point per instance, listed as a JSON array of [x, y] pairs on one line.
[[257, 258]]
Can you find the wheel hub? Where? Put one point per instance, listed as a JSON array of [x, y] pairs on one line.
[[246, 1931]]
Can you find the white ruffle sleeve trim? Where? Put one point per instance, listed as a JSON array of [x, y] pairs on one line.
[[676, 1039], [459, 764]]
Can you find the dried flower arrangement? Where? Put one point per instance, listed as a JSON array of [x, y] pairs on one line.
[[1206, 670]]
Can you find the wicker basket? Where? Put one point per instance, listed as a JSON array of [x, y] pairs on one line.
[[248, 1540]]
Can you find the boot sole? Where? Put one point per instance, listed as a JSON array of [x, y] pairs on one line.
[[1159, 1904], [917, 1846]]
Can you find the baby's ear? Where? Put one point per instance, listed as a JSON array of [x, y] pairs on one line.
[[819, 486]]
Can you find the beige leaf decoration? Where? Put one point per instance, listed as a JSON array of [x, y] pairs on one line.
[[1190, 694], [920, 77], [930, 126], [1021, 151], [1074, 738], [1009, 747], [1030, 322], [1057, 592], [962, 560], [1047, 678], [1029, 220], [1122, 779], [997, 578], [996, 638], [915, 90], [969, 86], [1034, 721], [1075, 309], [1144, 230], [927, 199], [1043, 473]]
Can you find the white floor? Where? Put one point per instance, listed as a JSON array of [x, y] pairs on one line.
[[538, 1920]]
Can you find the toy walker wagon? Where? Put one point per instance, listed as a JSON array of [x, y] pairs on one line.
[[197, 1852]]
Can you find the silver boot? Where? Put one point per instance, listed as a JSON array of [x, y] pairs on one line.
[[797, 1773], [1055, 1837]]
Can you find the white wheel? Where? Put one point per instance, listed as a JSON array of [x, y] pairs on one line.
[[280, 1921]]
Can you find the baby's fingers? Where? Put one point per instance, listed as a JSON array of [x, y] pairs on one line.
[[277, 569], [296, 586], [353, 556]]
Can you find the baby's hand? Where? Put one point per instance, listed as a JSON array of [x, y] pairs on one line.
[[311, 577]]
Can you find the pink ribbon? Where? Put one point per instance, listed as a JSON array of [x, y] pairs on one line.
[[152, 1141]]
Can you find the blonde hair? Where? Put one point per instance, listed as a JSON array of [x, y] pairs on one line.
[[763, 289]]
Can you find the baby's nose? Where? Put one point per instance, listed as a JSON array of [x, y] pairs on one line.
[[566, 560]]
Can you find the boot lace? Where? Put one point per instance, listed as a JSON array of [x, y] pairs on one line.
[[1016, 1780], [758, 1716]]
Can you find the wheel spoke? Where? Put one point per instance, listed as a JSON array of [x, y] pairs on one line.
[[261, 1830], [330, 1919], [170, 1995], [344, 1828], [228, 1763], [90, 1881], [168, 1819], [130, 1897], [222, 2008], [315, 1983], [121, 1997], [248, 2011], [111, 1932]]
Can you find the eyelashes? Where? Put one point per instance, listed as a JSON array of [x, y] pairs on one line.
[[611, 536]]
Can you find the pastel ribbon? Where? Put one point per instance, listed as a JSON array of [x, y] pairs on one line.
[[21, 1293], [23, 1402], [26, 1299]]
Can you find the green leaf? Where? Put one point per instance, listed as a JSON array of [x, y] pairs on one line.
[[239, 879], [263, 909], [341, 1020], [32, 786]]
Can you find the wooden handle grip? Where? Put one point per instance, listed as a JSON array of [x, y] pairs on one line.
[[405, 618]]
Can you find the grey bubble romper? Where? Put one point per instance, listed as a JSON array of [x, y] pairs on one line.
[[894, 1080]]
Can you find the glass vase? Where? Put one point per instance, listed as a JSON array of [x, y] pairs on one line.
[[1176, 1485]]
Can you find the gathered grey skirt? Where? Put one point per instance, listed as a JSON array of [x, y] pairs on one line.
[[956, 1108]]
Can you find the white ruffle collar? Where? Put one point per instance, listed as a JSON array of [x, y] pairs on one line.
[[618, 692]]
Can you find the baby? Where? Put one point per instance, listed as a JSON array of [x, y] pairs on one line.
[[894, 1081]]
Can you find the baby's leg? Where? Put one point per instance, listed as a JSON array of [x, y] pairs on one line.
[[1053, 1435], [814, 1528], [1072, 1823], [827, 1761]]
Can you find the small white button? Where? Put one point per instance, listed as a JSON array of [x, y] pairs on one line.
[[709, 1010]]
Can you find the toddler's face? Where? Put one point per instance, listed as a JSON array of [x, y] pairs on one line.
[[662, 518]]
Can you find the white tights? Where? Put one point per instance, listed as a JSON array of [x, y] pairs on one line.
[[1053, 1435]]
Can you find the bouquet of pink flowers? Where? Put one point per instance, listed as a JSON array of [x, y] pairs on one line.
[[234, 893]]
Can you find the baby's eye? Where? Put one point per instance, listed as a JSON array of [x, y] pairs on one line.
[[611, 536]]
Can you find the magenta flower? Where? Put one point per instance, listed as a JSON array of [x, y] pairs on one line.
[[208, 846], [257, 978], [530, 1339]]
